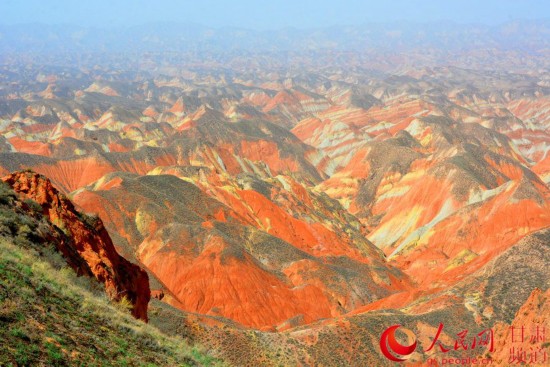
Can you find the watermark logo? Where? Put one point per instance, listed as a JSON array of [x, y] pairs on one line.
[[392, 349], [527, 346], [465, 342]]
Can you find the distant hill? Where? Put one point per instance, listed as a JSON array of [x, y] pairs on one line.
[[158, 37]]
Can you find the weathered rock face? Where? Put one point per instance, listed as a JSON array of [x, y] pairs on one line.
[[437, 194], [221, 248], [87, 245]]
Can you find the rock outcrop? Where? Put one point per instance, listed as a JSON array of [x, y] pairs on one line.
[[86, 245]]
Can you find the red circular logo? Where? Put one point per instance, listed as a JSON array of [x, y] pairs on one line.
[[389, 343]]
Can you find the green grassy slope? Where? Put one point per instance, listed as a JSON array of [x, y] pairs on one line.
[[50, 317]]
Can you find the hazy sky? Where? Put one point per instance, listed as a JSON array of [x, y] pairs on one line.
[[261, 14]]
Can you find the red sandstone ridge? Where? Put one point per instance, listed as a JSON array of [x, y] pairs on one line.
[[95, 254]]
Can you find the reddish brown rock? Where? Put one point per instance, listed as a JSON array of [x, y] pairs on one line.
[[95, 254]]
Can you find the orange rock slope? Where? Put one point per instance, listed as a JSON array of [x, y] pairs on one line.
[[242, 261]]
